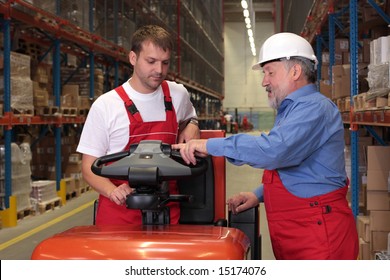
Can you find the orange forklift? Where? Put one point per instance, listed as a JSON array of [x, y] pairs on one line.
[[203, 232]]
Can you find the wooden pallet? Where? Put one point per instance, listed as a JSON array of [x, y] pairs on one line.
[[28, 112], [83, 189], [32, 49], [49, 205], [28, 212], [366, 101], [72, 195], [69, 111], [47, 111], [83, 111]]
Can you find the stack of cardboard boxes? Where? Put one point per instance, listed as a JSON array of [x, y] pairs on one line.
[[338, 87], [374, 227], [73, 171]]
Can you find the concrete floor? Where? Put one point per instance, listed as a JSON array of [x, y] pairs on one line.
[[18, 243]]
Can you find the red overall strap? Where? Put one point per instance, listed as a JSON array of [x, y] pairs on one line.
[[131, 109], [320, 227], [166, 131], [167, 100]]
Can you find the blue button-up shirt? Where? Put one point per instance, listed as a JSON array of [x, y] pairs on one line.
[[305, 146]]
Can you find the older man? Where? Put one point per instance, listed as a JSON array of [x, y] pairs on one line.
[[304, 184]]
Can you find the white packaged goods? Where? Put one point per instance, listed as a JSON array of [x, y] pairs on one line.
[[44, 190], [378, 78], [22, 99], [20, 65], [21, 175], [380, 50]]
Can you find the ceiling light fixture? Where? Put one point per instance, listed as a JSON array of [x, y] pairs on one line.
[[249, 22]]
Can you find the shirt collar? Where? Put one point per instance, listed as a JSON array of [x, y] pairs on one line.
[[303, 91]]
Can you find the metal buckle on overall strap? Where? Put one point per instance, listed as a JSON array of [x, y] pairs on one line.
[[131, 108], [168, 105], [326, 209]]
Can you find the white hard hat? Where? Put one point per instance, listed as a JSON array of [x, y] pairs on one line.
[[285, 45]]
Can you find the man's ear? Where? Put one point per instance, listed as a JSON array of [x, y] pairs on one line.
[[296, 71], [132, 58]]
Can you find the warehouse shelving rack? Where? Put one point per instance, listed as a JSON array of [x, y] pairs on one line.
[[197, 26], [315, 29]]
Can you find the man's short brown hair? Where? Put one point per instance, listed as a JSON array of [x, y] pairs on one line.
[[153, 33]]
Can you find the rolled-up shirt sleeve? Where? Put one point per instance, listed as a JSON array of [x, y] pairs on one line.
[[259, 192]]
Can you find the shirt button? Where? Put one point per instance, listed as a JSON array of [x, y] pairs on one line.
[[319, 222], [316, 203], [311, 204]]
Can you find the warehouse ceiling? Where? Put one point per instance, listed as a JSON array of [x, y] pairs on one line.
[[263, 10]]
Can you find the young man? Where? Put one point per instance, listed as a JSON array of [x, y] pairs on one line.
[[146, 107], [304, 183]]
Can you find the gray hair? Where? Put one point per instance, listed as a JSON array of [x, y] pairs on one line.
[[308, 67]]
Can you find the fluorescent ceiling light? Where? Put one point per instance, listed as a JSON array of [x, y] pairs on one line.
[[248, 14]]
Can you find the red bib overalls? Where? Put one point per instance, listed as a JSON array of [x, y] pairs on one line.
[[166, 131], [317, 228]]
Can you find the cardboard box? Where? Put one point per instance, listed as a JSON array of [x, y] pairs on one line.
[[73, 169], [84, 102], [337, 71], [75, 158], [377, 180], [378, 167], [364, 250], [378, 200], [69, 100], [363, 227], [378, 241], [379, 220], [341, 45], [369, 13], [70, 90], [325, 72], [341, 85], [326, 88], [378, 157]]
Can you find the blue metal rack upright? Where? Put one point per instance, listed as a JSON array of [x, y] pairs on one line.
[[353, 40], [7, 109], [332, 22]]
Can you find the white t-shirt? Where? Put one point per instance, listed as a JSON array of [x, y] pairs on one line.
[[228, 117], [106, 129]]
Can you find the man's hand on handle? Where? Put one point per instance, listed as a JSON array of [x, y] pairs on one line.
[[242, 201], [188, 151]]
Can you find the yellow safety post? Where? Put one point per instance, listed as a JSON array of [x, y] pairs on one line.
[[9, 216], [62, 192]]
